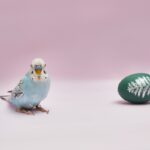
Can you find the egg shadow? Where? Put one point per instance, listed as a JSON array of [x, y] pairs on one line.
[[123, 102]]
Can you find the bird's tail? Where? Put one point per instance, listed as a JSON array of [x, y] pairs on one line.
[[4, 97]]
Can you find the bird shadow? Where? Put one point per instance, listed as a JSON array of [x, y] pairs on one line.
[[125, 103], [12, 109]]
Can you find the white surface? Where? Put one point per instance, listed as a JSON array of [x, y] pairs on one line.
[[84, 115]]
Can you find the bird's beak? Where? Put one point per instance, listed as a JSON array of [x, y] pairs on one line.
[[38, 71]]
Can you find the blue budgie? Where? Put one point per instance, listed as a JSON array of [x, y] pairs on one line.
[[31, 90]]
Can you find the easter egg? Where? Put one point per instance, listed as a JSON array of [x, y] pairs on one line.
[[135, 88]]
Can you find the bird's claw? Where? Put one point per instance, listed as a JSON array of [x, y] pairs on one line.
[[30, 112], [25, 111], [39, 108]]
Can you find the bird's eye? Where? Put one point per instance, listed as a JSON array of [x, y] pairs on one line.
[[32, 72], [44, 71]]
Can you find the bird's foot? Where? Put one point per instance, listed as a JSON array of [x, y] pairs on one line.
[[25, 111], [39, 108]]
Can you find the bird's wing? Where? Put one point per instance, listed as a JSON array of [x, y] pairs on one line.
[[18, 90]]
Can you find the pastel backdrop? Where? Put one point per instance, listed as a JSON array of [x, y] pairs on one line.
[[89, 46], [80, 39]]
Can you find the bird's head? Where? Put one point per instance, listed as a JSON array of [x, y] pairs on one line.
[[38, 69]]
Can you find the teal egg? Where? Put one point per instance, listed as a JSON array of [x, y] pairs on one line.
[[135, 88]]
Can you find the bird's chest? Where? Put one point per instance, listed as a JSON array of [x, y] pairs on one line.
[[37, 90]]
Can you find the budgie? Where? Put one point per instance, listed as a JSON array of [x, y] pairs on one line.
[[31, 90]]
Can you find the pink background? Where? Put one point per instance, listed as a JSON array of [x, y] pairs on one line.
[[98, 40], [80, 39]]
